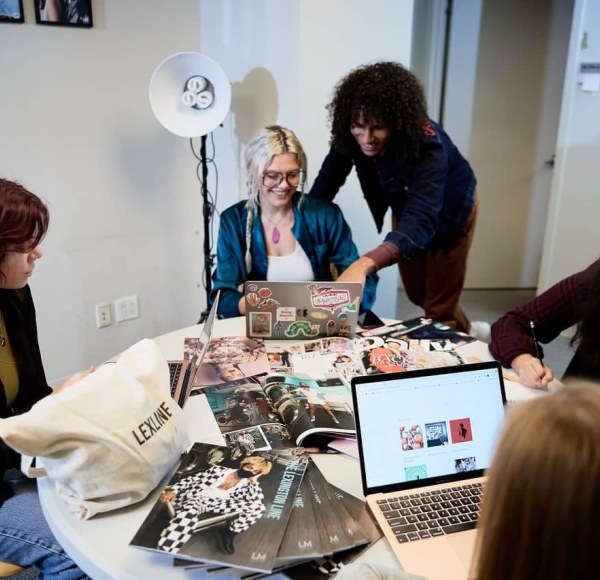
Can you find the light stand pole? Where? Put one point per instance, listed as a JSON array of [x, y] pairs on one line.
[[207, 211]]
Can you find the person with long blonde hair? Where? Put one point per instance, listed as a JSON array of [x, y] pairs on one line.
[[278, 233]]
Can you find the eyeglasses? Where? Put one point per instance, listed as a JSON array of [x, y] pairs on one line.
[[274, 178]]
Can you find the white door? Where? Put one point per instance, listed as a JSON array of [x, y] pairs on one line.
[[505, 73]]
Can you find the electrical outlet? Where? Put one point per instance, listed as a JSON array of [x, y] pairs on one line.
[[126, 308], [103, 317]]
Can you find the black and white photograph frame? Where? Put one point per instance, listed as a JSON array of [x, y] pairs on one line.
[[77, 13], [11, 11]]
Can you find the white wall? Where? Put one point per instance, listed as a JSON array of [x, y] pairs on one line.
[[572, 241], [77, 130], [283, 59]]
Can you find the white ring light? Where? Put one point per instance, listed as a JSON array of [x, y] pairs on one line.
[[190, 94]]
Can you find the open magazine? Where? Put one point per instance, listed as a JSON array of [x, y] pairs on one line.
[[279, 411]]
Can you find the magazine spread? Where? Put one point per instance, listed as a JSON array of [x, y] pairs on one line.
[[280, 411], [223, 511]]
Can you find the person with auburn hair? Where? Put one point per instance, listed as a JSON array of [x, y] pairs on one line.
[[25, 538], [405, 162], [542, 499], [279, 233], [575, 300]]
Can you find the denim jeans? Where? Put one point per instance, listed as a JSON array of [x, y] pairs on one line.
[[26, 539]]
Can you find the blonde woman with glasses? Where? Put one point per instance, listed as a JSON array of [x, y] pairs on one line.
[[278, 233]]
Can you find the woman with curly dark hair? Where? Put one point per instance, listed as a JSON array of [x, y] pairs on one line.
[[406, 162]]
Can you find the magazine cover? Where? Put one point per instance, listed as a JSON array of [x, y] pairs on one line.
[[311, 410], [230, 358], [225, 512], [302, 538], [408, 345], [333, 520]]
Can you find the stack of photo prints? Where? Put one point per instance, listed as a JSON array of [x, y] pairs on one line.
[[258, 504]]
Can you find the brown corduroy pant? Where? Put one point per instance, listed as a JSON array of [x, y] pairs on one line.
[[434, 280]]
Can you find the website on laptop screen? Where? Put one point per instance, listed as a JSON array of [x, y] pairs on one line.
[[428, 426]]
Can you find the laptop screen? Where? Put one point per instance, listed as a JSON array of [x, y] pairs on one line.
[[428, 426]]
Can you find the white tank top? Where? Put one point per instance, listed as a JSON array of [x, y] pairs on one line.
[[294, 267]]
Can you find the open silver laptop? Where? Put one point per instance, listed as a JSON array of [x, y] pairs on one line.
[[183, 372], [425, 439], [301, 310]]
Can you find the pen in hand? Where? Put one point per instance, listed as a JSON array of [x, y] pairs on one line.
[[538, 350]]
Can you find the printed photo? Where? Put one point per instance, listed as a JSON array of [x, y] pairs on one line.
[[239, 405], [11, 11], [64, 12], [245, 442]]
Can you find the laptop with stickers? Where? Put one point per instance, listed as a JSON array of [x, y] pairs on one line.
[[301, 310], [425, 439]]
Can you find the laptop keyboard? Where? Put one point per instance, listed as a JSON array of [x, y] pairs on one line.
[[433, 513], [174, 372]]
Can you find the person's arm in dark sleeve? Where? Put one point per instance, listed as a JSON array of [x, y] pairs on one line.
[[552, 312], [332, 175]]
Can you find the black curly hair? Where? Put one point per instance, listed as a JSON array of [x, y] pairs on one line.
[[385, 93]]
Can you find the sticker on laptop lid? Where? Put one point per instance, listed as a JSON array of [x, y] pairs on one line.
[[260, 324], [286, 313], [301, 328]]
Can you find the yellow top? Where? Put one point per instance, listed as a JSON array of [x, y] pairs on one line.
[[8, 367]]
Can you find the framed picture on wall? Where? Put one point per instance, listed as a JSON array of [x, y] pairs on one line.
[[64, 12], [11, 11]]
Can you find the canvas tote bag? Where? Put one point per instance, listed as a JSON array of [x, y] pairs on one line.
[[109, 439]]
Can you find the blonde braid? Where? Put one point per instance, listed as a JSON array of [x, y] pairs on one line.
[[249, 222]]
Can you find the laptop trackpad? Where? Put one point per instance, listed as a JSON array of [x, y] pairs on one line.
[[464, 545], [436, 559]]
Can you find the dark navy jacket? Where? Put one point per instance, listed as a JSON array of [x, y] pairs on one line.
[[431, 199], [320, 229]]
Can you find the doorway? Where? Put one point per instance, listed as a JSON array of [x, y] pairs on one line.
[[500, 103]]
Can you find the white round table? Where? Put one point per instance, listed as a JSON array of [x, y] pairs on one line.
[[100, 546]]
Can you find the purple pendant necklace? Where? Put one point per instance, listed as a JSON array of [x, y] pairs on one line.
[[275, 233]]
